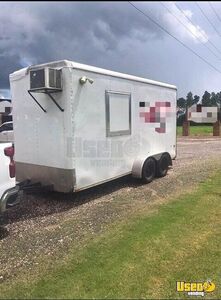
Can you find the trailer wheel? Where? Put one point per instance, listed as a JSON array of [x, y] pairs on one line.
[[149, 170], [162, 166]]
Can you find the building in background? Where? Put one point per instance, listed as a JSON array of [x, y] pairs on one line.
[[203, 114], [5, 110]]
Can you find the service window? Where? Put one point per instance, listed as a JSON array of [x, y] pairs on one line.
[[118, 113]]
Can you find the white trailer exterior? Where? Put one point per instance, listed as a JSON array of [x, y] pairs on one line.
[[105, 126]]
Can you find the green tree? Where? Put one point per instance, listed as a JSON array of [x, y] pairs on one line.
[[213, 99], [189, 99], [218, 99], [196, 99], [206, 99], [181, 102]]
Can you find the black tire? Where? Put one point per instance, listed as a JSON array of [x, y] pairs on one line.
[[149, 170], [162, 166]]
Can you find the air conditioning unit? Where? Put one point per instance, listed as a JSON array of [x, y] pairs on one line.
[[46, 79]]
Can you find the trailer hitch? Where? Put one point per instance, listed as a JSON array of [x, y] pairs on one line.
[[12, 196], [29, 187]]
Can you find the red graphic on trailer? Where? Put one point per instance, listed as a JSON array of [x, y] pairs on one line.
[[156, 114]]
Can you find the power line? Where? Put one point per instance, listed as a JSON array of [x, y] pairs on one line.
[[189, 29], [170, 34], [218, 17], [208, 19], [195, 26]]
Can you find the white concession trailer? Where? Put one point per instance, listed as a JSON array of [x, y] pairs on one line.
[[77, 126]]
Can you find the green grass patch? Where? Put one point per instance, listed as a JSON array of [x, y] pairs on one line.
[[142, 257], [197, 130]]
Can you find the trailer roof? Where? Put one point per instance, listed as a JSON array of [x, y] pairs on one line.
[[75, 65]]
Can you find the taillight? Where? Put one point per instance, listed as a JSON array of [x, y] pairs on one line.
[[9, 151]]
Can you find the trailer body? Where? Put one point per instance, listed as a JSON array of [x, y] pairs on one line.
[[95, 126]]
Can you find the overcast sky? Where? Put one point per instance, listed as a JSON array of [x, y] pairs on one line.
[[113, 35]]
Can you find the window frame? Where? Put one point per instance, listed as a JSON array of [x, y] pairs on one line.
[[110, 133]]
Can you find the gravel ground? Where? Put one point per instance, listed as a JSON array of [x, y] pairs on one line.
[[45, 225]]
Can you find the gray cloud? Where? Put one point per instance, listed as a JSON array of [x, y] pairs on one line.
[[111, 35], [8, 64], [38, 32]]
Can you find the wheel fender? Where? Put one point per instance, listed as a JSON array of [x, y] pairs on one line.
[[168, 156], [138, 167]]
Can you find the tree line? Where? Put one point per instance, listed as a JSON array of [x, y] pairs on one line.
[[208, 99]]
